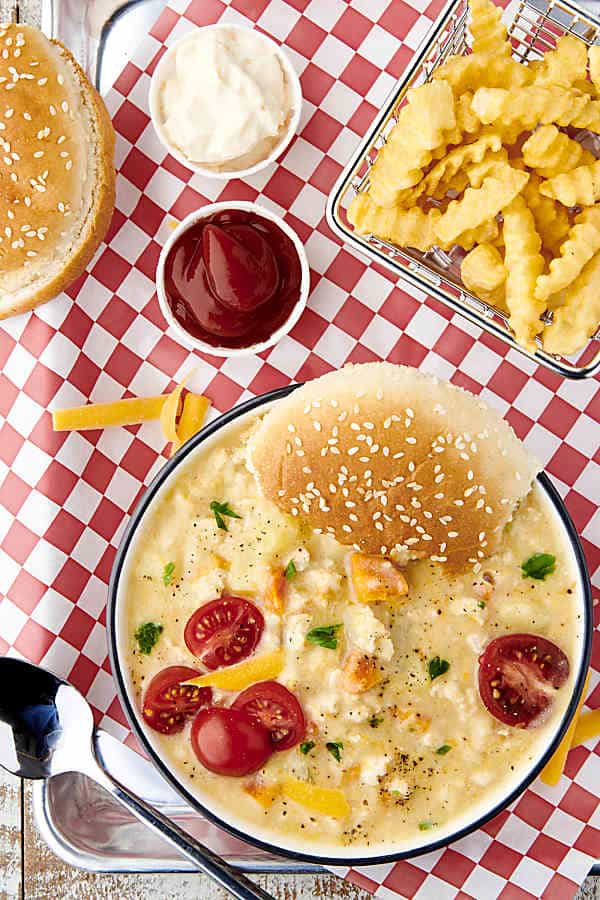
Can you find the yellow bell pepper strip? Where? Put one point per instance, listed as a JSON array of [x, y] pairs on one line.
[[193, 414], [242, 675], [588, 727], [170, 411], [100, 415], [264, 794], [553, 769], [326, 801]]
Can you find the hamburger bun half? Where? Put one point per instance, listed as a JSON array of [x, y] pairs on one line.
[[57, 177], [394, 462]]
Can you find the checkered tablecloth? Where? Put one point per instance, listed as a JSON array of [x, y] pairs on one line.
[[64, 499]]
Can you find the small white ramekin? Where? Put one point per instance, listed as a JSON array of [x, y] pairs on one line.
[[295, 92], [197, 216]]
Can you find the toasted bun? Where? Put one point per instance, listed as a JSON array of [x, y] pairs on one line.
[[57, 178], [394, 462]]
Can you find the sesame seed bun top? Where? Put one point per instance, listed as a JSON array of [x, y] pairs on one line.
[[56, 168], [392, 461]]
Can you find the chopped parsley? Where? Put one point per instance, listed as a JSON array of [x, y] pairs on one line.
[[335, 748], [445, 748], [290, 570], [306, 747], [375, 721], [168, 573], [425, 826], [147, 635], [324, 636], [437, 667], [538, 566], [481, 604], [222, 509]]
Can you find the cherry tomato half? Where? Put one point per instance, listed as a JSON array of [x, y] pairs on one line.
[[168, 703], [228, 742], [518, 676], [277, 710], [224, 631]]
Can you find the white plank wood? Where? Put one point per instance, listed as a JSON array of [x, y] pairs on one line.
[[10, 836]]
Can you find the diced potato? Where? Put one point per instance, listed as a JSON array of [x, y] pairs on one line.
[[360, 673], [236, 678], [376, 579], [326, 801], [275, 593]]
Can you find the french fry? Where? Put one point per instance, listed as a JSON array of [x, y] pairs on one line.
[[536, 104], [406, 228], [480, 204], [551, 219], [566, 65], [551, 152], [524, 264], [483, 273], [582, 243], [594, 61], [579, 187], [577, 319]]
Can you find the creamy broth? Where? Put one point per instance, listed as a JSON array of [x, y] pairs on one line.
[[396, 782]]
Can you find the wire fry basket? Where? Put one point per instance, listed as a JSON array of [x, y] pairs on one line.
[[534, 28]]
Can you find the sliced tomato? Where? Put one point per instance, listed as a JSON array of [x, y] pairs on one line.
[[276, 709], [224, 631], [519, 675], [229, 742], [168, 703]]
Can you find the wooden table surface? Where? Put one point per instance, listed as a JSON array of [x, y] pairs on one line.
[[29, 870]]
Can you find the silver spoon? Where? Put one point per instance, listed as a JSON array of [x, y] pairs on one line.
[[47, 728]]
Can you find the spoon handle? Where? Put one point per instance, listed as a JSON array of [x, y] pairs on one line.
[[204, 859]]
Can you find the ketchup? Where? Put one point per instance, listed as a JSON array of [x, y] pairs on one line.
[[232, 279]]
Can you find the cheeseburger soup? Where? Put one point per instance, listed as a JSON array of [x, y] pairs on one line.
[[396, 720]]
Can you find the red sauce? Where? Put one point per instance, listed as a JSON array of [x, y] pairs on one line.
[[232, 279]]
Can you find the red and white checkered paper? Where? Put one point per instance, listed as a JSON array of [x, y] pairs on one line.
[[64, 498]]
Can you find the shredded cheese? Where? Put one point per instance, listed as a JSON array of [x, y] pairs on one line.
[[326, 801], [552, 771], [236, 678], [100, 415]]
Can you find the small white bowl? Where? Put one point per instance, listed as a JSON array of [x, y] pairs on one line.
[[295, 92], [197, 216]]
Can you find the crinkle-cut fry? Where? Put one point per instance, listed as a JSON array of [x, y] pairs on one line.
[[563, 66], [536, 104], [594, 61], [486, 233], [551, 219], [493, 163], [579, 187], [404, 227], [487, 29], [582, 243], [577, 319], [552, 152], [480, 204], [420, 128], [524, 264], [467, 123], [457, 159], [467, 73], [483, 269]]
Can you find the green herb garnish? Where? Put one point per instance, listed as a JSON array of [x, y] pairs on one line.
[[538, 566], [220, 510], [481, 604], [147, 635], [425, 826], [324, 636], [375, 721], [168, 573], [445, 748], [306, 747], [290, 570], [437, 667], [334, 748]]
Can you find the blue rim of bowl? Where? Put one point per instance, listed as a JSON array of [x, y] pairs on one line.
[[195, 803]]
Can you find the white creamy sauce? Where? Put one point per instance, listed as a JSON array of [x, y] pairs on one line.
[[224, 97], [389, 771]]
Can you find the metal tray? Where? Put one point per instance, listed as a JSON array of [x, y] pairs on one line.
[[77, 819], [534, 26]]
